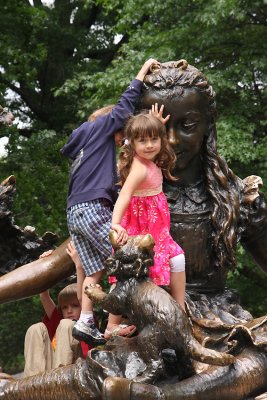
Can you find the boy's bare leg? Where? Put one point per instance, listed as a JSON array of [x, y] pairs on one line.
[[87, 304], [80, 279], [85, 329]]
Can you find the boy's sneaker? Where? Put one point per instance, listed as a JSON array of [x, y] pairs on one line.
[[88, 333]]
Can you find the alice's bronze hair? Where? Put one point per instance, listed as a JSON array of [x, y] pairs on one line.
[[169, 80], [140, 126]]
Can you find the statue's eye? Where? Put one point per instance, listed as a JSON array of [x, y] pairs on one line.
[[189, 123]]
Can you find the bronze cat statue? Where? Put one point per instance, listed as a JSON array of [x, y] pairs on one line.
[[160, 321]]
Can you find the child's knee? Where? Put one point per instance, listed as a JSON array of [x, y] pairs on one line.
[[39, 327], [37, 332], [66, 324]]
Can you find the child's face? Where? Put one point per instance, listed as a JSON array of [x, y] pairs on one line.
[[71, 310], [147, 147]]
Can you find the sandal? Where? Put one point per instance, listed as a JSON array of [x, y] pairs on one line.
[[120, 330]]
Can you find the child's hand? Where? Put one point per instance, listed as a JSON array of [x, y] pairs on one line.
[[45, 294], [46, 254], [72, 252], [121, 232], [146, 68], [158, 113]]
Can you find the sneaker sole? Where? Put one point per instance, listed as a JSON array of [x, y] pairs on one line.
[[80, 336]]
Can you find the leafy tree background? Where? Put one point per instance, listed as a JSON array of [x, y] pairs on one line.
[[60, 62]]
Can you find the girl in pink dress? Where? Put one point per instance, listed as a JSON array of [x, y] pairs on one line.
[[142, 207]]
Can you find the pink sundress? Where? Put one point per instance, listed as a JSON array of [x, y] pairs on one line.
[[148, 212]]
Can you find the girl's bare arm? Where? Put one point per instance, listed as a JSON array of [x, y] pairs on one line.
[[137, 174]]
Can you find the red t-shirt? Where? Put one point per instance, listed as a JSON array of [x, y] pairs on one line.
[[52, 324]]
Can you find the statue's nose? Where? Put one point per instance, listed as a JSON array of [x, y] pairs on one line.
[[173, 137]]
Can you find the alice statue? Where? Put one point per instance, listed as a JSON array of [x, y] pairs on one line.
[[211, 211]]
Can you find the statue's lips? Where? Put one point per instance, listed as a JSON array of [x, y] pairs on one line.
[[179, 154]]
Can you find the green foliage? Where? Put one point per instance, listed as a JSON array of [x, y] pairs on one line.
[[49, 46], [42, 181], [251, 284]]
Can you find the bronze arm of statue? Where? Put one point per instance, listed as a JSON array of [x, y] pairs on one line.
[[19, 245], [37, 276]]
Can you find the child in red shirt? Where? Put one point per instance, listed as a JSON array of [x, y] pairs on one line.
[[49, 344]]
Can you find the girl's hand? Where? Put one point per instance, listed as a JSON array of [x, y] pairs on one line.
[[121, 232], [158, 113]]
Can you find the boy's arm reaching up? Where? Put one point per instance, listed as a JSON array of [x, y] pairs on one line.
[[47, 303], [145, 68], [46, 300]]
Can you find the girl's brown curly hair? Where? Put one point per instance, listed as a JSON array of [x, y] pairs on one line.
[[141, 126]]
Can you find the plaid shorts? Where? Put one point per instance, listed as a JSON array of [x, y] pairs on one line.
[[89, 224]]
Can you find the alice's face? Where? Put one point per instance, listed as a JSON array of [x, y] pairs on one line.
[[187, 125]]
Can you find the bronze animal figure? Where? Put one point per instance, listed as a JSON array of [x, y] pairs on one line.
[[160, 320], [161, 323]]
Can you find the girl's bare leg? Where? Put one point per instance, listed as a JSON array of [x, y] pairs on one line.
[[177, 286]]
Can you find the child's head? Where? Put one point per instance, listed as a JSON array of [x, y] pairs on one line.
[[141, 127], [119, 135], [144, 125], [68, 304], [100, 112]]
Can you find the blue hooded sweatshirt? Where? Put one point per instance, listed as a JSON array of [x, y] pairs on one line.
[[92, 150]]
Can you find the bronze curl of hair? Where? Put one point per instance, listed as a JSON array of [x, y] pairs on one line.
[[170, 79], [142, 125]]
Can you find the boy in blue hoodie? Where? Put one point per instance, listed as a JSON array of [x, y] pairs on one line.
[[92, 193]]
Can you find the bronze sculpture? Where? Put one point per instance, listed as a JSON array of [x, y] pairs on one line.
[[153, 311], [211, 210], [162, 326], [17, 246]]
